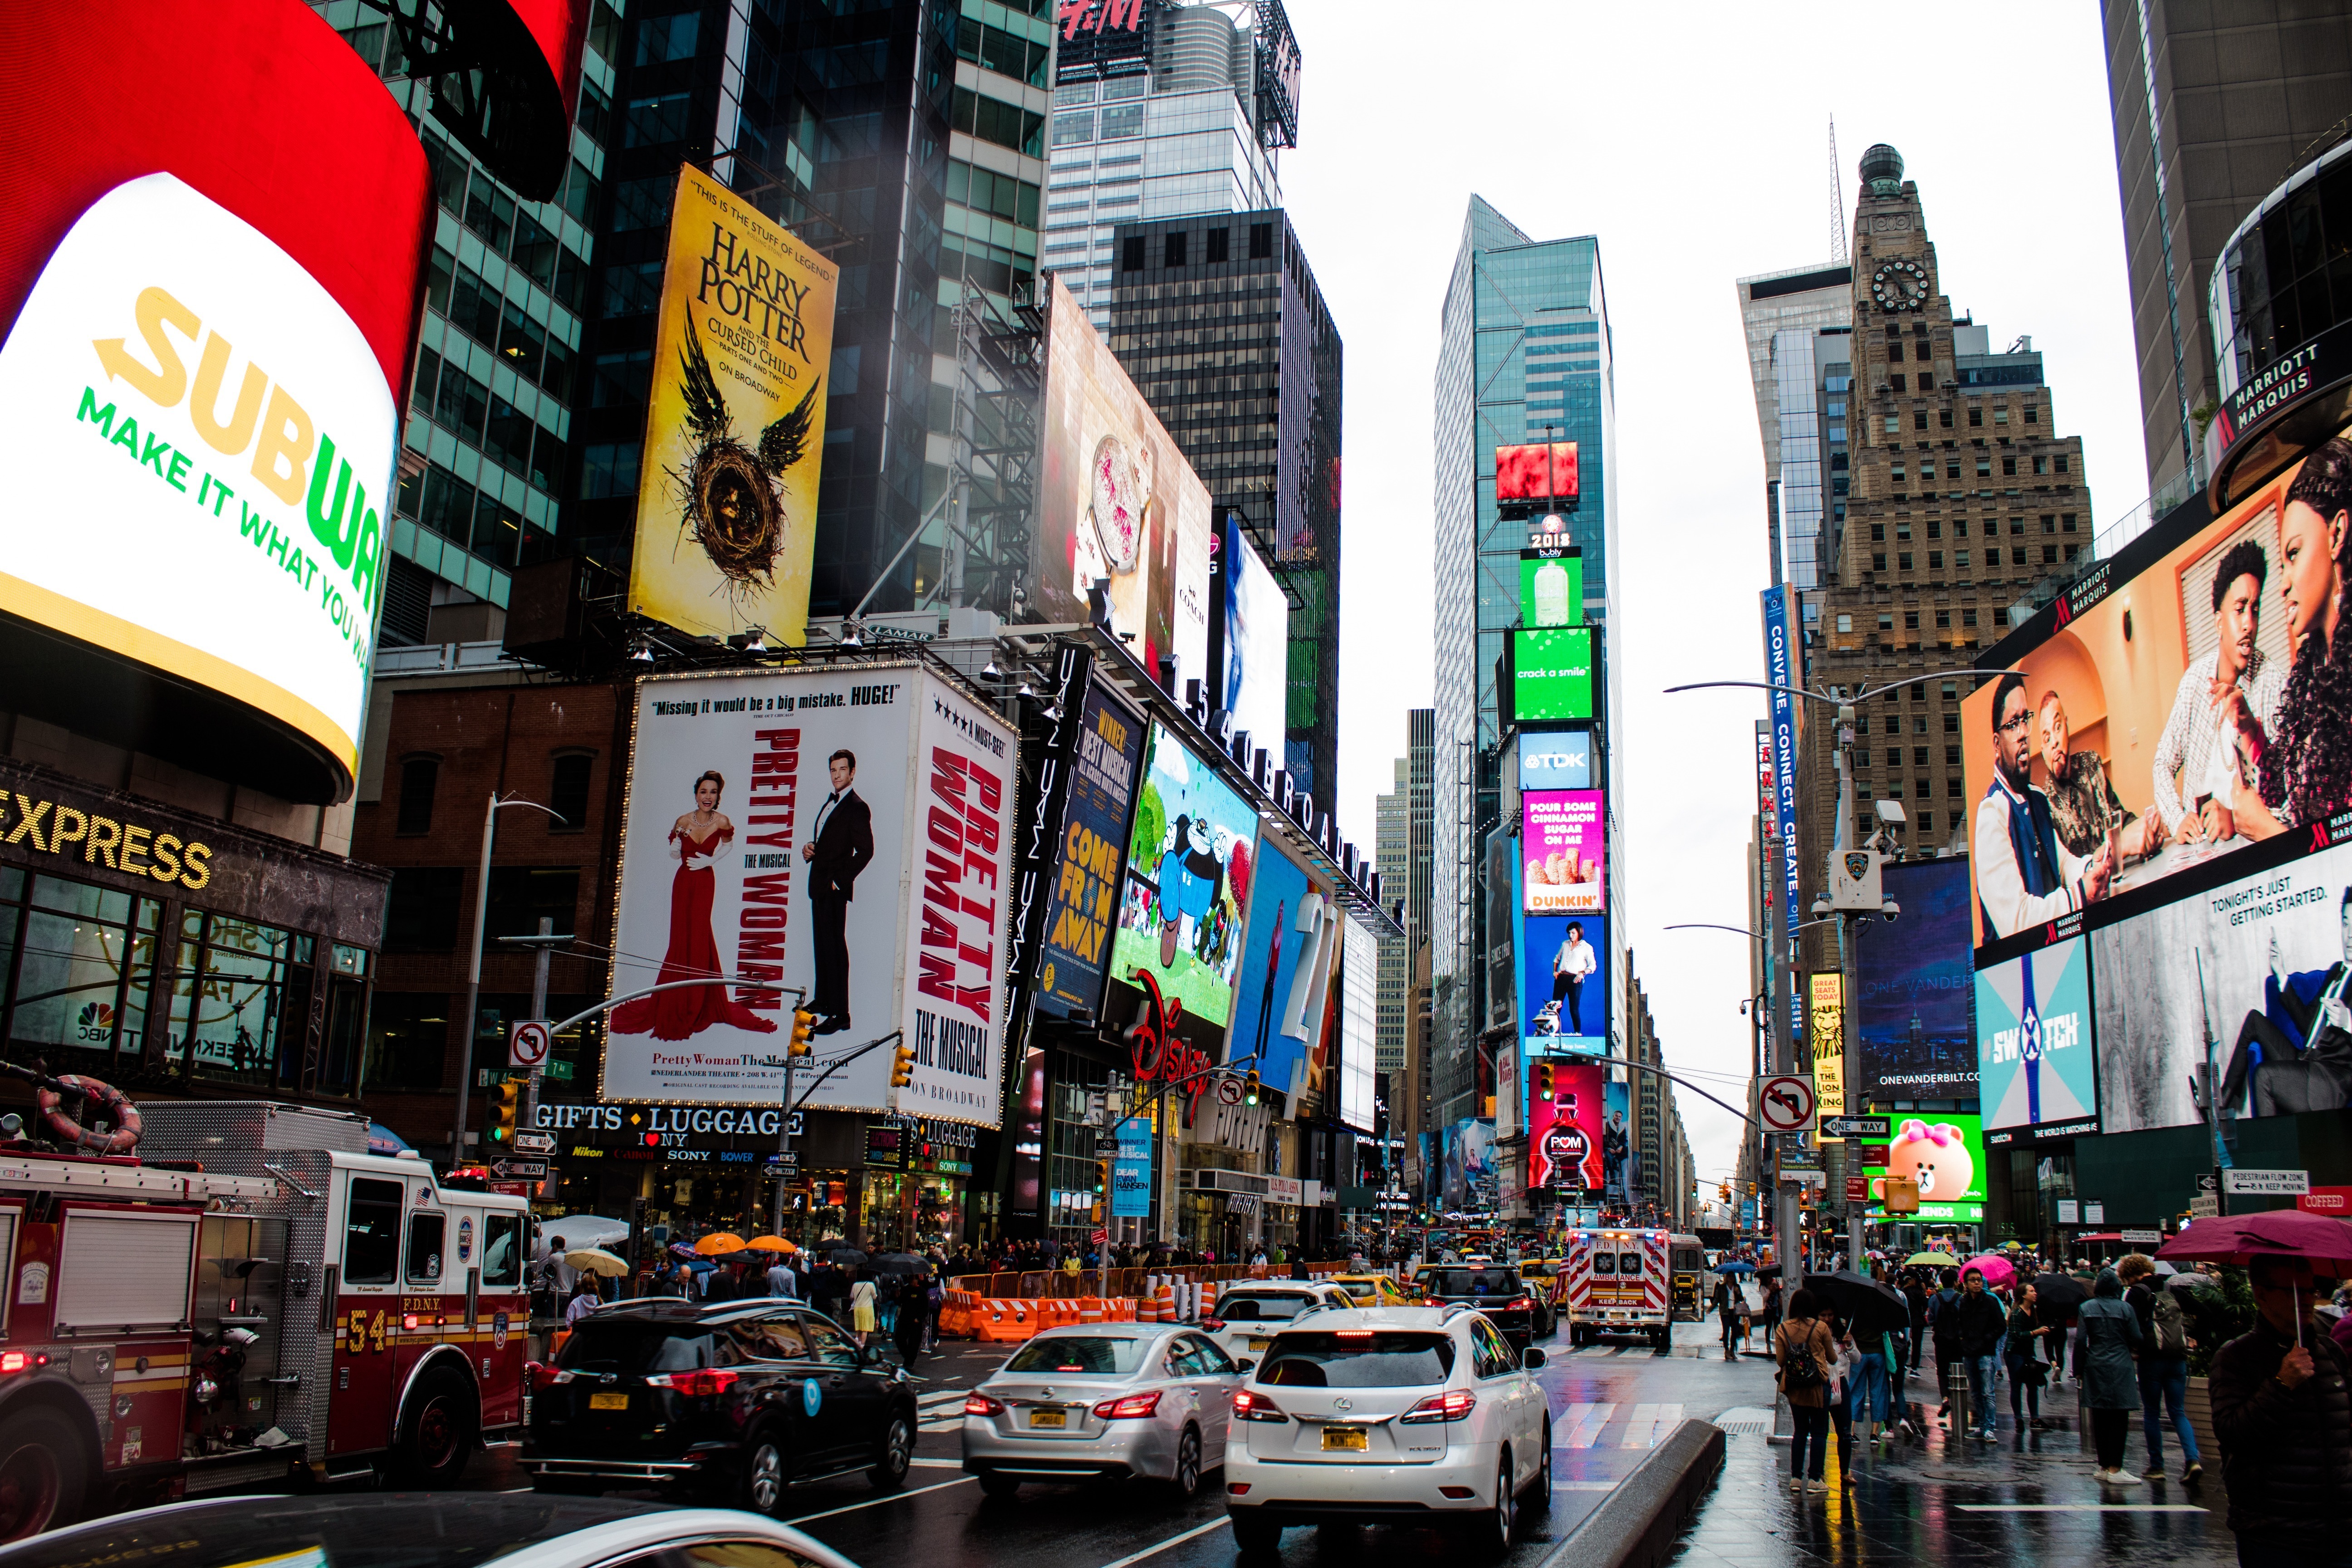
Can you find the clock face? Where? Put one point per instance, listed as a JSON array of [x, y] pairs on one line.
[[1899, 286]]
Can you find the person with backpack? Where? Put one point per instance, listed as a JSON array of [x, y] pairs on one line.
[[1944, 1331], [2163, 1366], [1803, 1348]]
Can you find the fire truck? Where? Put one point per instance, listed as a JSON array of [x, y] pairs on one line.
[[1617, 1282], [250, 1298]]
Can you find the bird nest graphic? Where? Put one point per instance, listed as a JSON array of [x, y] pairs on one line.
[[730, 495]]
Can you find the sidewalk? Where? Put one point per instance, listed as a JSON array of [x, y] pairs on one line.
[[2027, 1497]]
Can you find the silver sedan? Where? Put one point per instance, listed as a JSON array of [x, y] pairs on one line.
[[1094, 1399]]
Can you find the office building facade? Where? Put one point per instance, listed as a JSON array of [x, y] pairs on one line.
[[1161, 111], [2214, 106], [1218, 322], [1791, 319], [1524, 356]]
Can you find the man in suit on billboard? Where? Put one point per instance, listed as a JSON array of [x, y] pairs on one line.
[[2302, 1035], [843, 845]]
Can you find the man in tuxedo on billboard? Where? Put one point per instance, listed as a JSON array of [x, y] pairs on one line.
[[843, 845]]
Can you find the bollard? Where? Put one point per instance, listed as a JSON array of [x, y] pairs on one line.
[[1958, 1373]]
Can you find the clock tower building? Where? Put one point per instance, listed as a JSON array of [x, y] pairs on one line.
[[1958, 501]]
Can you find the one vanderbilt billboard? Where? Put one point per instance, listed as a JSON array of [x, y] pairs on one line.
[[208, 293]]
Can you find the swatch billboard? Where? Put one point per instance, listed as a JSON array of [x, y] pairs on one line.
[[2034, 1044]]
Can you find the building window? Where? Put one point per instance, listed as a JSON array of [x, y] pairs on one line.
[[567, 791], [642, 204], [1175, 249], [1845, 622], [2061, 463], [1903, 559], [1220, 244], [2032, 414], [1967, 617], [2049, 523], [419, 777], [1934, 561], [2040, 464], [1896, 381], [1893, 424], [1071, 129], [661, 39], [1886, 620], [1122, 122], [88, 959], [1261, 242], [230, 1005], [656, 120], [1878, 532], [408, 1039], [1910, 620], [1919, 422], [2066, 523], [1960, 560], [1943, 620], [2000, 413], [608, 468], [1926, 384], [1976, 415], [2049, 555], [1131, 253], [1878, 561], [1944, 421], [421, 914]]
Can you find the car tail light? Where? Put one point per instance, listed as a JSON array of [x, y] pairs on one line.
[[700, 1384], [1238, 1488], [981, 1405], [1134, 1407], [1453, 1405], [1455, 1494], [1521, 1305], [1249, 1405], [545, 1376], [1214, 1325]]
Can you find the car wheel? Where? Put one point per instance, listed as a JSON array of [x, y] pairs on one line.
[[763, 1476], [1540, 1497], [1188, 1463], [889, 1471], [43, 1473], [1499, 1524], [997, 1486], [1255, 1535], [436, 1431]]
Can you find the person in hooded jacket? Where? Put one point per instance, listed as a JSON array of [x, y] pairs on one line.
[[2281, 1396], [2108, 1335]]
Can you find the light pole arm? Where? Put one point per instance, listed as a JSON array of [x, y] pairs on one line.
[[474, 970]]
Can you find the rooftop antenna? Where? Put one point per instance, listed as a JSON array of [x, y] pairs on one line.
[[1837, 198]]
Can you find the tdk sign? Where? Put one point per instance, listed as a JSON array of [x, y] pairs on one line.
[[1563, 759]]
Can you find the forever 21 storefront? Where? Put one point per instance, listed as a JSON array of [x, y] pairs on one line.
[[157, 949], [700, 1168]]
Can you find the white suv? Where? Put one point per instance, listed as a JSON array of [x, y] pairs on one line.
[[1388, 1411]]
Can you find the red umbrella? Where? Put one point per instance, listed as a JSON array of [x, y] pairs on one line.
[[2325, 1244]]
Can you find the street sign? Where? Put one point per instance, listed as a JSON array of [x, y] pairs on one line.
[[2070, 1210], [525, 1170], [2267, 1184], [1229, 1092], [1785, 1103], [2204, 1206], [787, 1165], [528, 1042], [1855, 1127], [534, 1143], [1795, 1158], [1857, 1189], [1804, 1179], [2141, 1237], [2205, 1184]]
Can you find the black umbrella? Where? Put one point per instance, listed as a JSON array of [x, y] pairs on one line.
[[1869, 1307], [2057, 1295], [846, 1258], [899, 1263]]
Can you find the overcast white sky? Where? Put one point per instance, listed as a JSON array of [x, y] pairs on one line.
[[1695, 144]]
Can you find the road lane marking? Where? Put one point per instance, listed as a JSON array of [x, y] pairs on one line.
[[1638, 1426], [877, 1501], [1199, 1530], [938, 1464], [1584, 1485], [2079, 1507]]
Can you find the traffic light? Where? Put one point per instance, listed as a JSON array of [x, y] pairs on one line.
[[1727, 1194], [1102, 1186], [506, 1107], [1543, 1080], [902, 1070], [803, 1028], [1249, 1088]]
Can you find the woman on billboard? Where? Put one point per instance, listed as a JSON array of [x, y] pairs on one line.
[[2306, 768], [693, 952]]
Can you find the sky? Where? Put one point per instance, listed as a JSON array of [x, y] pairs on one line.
[[1697, 152]]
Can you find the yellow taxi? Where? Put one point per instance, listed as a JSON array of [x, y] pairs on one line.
[[1372, 1291]]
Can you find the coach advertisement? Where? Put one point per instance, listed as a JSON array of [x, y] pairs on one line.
[[841, 835]]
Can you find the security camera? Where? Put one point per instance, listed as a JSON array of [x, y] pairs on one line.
[[1889, 812], [1821, 906], [1888, 911]]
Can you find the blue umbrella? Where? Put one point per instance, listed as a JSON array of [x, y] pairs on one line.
[[1734, 1267]]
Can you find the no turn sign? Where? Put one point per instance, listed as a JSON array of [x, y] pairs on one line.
[[528, 1042], [1785, 1104], [1229, 1092]]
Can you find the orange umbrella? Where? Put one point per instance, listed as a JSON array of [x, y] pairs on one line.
[[769, 1243], [719, 1244]]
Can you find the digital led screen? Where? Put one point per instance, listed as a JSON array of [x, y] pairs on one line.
[[1551, 673], [2034, 1047]]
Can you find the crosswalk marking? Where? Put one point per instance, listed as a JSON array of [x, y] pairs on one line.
[[1584, 1424], [1643, 1427]]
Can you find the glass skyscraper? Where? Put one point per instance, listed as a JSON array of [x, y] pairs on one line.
[[1524, 356], [1789, 316]]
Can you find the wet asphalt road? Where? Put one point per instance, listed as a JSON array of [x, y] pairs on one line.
[[1609, 1403]]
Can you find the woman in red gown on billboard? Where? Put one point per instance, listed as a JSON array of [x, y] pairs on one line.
[[690, 1009]]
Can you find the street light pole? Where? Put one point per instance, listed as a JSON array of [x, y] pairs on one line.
[[474, 970]]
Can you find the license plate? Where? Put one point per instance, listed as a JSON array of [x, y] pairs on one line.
[[1048, 1418], [1258, 1344], [608, 1402], [1345, 1440]]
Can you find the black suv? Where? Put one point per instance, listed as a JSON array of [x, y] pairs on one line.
[[1496, 1290], [730, 1403]]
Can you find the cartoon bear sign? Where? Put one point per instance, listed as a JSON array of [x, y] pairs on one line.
[[1936, 1156]]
